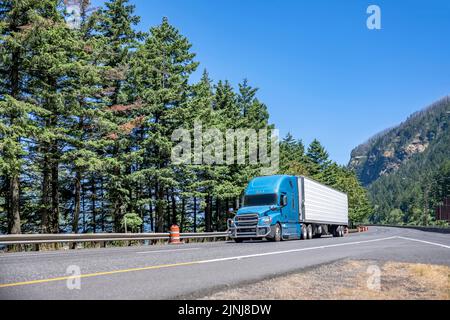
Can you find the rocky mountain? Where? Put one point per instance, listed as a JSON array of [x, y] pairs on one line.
[[387, 151], [406, 169]]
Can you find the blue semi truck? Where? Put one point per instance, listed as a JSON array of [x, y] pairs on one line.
[[285, 207]]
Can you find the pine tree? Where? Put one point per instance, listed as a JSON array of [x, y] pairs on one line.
[[88, 124], [160, 74], [114, 26], [292, 154], [358, 203], [318, 158], [17, 20], [60, 79], [254, 113]]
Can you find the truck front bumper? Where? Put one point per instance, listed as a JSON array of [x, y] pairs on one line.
[[248, 231]]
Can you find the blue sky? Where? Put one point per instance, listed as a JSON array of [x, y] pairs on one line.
[[320, 71]]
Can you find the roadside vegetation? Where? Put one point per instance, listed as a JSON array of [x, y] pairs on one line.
[[406, 169], [350, 280], [87, 110]]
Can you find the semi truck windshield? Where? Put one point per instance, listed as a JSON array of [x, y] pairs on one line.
[[260, 200]]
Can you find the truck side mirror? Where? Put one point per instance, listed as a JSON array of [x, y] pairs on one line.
[[284, 200]]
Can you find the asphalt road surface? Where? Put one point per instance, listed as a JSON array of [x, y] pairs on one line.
[[197, 269]]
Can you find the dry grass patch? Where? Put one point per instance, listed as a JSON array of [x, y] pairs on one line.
[[351, 280]]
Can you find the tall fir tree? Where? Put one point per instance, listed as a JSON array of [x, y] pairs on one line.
[[160, 73], [318, 158], [114, 26], [18, 20]]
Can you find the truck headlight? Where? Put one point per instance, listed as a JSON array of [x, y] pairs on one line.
[[266, 220], [230, 223]]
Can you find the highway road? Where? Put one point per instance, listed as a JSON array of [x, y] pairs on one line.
[[194, 270]]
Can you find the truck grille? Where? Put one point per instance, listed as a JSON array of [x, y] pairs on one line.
[[247, 220]]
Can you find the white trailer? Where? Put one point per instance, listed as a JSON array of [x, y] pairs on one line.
[[323, 210]]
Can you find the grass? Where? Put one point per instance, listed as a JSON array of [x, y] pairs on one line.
[[351, 280]]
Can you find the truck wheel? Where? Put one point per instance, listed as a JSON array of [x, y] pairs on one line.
[[310, 232], [342, 231], [304, 235], [277, 233]]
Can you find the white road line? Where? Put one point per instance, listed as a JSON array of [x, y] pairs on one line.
[[293, 250], [72, 253], [426, 242], [170, 250]]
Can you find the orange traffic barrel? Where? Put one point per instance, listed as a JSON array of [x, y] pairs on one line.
[[175, 234]]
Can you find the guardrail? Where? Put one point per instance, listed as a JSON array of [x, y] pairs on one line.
[[13, 239]]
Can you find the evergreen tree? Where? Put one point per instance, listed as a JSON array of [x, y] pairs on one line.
[[292, 154], [88, 124], [317, 158], [20, 20], [59, 79], [13, 16], [160, 73], [114, 26]]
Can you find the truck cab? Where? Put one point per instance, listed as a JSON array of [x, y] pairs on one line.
[[270, 210]]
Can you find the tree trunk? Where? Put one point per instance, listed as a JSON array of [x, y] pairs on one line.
[[218, 203], [159, 208], [55, 190], [76, 212], [150, 207], [183, 213], [117, 196], [14, 179], [174, 208], [168, 209], [45, 200], [208, 214], [102, 208], [14, 204], [5, 193], [195, 214], [94, 205], [83, 206]]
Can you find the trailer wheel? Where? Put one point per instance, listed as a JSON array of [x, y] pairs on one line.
[[310, 232], [336, 232], [304, 235]]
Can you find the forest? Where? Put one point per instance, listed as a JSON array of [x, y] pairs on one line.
[[407, 169], [87, 111]]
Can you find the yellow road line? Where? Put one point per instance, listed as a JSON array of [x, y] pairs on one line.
[[89, 275]]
